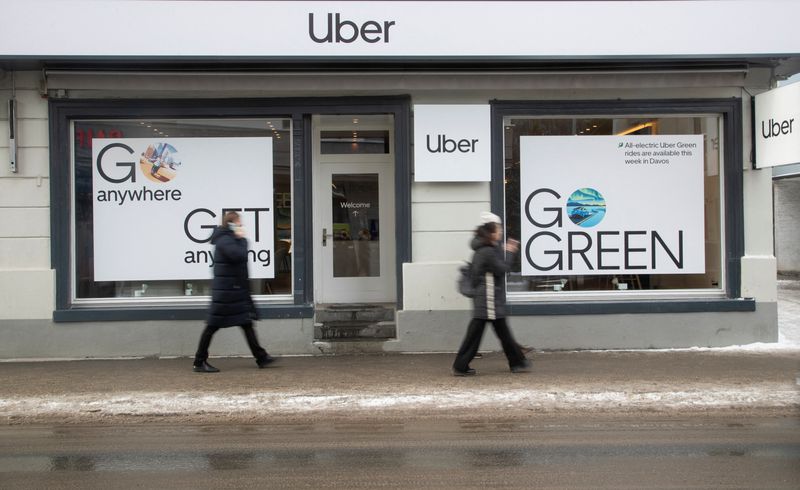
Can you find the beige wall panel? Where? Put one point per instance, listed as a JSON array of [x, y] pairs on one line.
[[446, 216], [450, 192], [24, 253], [24, 222], [432, 287], [27, 295], [758, 212], [31, 80], [33, 133], [4, 130], [438, 247], [24, 192], [31, 162], [758, 278], [31, 105]]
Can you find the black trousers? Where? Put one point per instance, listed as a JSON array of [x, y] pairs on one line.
[[472, 341], [249, 333]]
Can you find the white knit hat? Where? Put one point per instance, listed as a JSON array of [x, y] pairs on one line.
[[487, 217]]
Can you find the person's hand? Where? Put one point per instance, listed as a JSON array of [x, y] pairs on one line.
[[240, 232], [512, 246]]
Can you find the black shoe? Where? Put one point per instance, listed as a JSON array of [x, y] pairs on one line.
[[205, 368], [478, 356], [468, 372], [525, 367], [265, 362]]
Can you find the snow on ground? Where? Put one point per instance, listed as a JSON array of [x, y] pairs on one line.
[[774, 395]]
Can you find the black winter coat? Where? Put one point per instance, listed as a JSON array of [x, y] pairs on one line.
[[231, 303], [489, 267]]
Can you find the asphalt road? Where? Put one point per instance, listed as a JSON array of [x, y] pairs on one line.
[[536, 452]]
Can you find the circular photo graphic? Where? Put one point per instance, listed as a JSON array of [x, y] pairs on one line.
[[158, 163], [586, 207]]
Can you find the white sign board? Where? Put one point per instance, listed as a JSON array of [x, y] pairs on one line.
[[603, 205], [778, 126], [452, 143], [284, 29], [156, 202]]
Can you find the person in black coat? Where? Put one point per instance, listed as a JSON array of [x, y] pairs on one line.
[[489, 267], [231, 303]]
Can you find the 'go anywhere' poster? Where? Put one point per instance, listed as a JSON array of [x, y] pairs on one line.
[[156, 202], [600, 205]]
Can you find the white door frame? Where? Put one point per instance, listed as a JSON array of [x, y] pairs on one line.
[[329, 289]]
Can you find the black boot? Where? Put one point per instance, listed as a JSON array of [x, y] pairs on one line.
[[204, 368]]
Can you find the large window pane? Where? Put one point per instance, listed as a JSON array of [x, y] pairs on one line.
[[708, 126], [279, 129]]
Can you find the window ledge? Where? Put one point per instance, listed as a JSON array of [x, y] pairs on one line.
[[150, 314], [628, 307]]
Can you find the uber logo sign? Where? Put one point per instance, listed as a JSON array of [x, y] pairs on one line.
[[777, 143], [451, 143]]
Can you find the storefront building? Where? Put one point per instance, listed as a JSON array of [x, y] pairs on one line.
[[361, 141]]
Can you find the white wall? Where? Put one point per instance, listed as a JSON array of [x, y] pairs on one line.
[[27, 283]]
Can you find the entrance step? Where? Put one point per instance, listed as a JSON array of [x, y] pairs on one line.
[[350, 346], [355, 322], [354, 330]]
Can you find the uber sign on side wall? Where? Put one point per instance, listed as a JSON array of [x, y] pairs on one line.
[[451, 143], [778, 126]]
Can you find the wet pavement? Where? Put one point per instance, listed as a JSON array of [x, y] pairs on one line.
[[762, 379], [541, 452], [151, 390]]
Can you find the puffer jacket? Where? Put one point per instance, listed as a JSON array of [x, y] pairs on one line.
[[231, 303], [489, 267]]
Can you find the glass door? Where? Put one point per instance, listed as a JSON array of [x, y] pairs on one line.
[[354, 212]]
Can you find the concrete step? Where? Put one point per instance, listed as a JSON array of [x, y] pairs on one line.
[[368, 312], [350, 346], [350, 330]]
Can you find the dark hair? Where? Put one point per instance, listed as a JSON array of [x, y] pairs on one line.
[[485, 231], [229, 217]]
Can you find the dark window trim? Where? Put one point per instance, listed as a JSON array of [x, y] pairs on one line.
[[731, 111], [63, 112]]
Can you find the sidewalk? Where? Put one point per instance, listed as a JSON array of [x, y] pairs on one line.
[[147, 390], [757, 379]]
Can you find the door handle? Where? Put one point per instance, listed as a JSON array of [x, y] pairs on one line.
[[325, 237]]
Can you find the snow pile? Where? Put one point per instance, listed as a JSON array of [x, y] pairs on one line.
[[766, 395]]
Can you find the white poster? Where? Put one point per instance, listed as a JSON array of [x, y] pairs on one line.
[[452, 143], [603, 205], [778, 126], [156, 202]]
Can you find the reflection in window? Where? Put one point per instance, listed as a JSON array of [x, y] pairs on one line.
[[356, 230], [516, 127], [354, 141], [85, 131]]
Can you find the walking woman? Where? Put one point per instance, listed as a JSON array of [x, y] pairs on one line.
[[489, 267], [231, 303]]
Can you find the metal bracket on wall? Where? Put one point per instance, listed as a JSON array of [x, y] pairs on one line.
[[12, 134]]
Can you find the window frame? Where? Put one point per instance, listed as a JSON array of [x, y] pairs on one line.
[[63, 112], [732, 206], [152, 301]]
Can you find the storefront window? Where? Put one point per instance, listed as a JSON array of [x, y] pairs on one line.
[[577, 254], [164, 161]]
